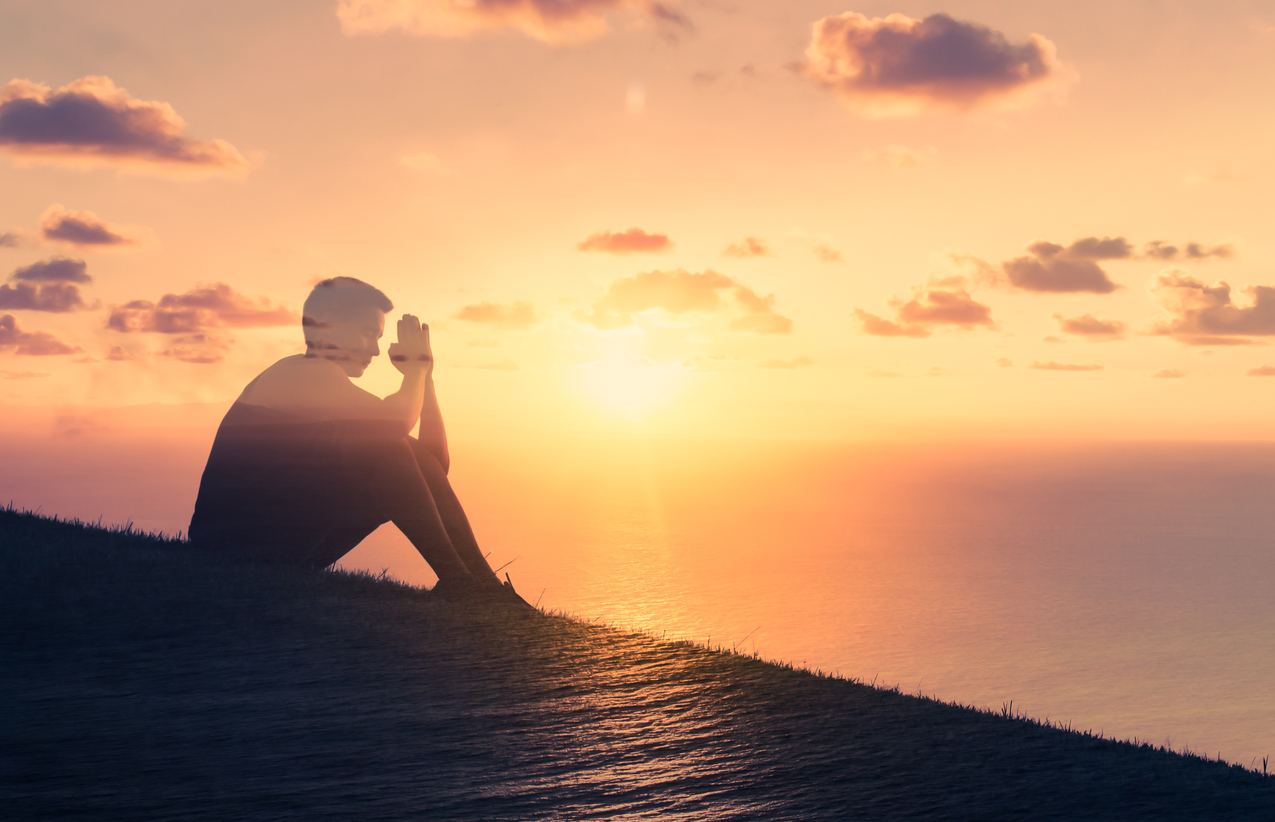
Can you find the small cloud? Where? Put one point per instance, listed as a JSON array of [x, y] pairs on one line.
[[82, 228], [17, 238], [53, 270], [198, 349], [938, 372], [931, 306], [1158, 250], [519, 316], [747, 247], [425, 163], [31, 343], [1063, 366], [550, 21], [92, 122], [894, 65], [826, 253], [1174, 374], [48, 285], [786, 364], [22, 375], [503, 365], [119, 353], [706, 77], [1091, 327], [214, 306], [1005, 362], [680, 292], [900, 157], [1056, 269], [625, 242], [1206, 315], [1261, 371]]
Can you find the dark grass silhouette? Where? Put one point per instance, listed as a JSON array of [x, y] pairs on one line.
[[142, 680]]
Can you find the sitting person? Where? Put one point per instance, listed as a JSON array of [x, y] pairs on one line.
[[306, 464]]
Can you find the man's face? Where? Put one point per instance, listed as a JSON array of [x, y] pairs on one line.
[[353, 344]]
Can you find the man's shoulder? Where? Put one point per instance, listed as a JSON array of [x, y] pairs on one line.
[[300, 382]]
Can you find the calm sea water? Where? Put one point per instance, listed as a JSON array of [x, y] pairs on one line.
[[1128, 589]]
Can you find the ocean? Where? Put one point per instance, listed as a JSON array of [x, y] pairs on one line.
[[1123, 588]]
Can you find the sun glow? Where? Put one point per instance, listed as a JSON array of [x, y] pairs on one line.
[[632, 386]]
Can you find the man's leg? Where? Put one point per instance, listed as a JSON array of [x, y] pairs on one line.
[[451, 513], [409, 504]]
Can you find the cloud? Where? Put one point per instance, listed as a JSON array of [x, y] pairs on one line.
[[1089, 326], [900, 65], [1005, 362], [81, 228], [54, 270], [22, 375], [550, 21], [796, 362], [1063, 366], [214, 306], [1158, 250], [625, 242], [747, 247], [198, 349], [1206, 315], [503, 365], [680, 292], [517, 317], [16, 238], [1261, 371], [1052, 268], [1174, 374], [31, 343], [91, 122], [936, 305], [48, 285], [900, 157], [119, 353]]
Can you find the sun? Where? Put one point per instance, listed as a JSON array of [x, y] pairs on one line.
[[631, 386]]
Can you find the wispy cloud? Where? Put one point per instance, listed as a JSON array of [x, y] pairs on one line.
[[944, 303], [205, 307], [681, 292], [901, 65], [1091, 327], [31, 343], [518, 316], [747, 247], [1063, 366], [625, 242], [91, 121], [1206, 315], [83, 228], [551, 21], [900, 157]]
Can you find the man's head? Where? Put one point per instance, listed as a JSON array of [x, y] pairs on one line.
[[343, 319]]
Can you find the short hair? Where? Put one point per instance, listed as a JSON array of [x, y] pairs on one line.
[[336, 299]]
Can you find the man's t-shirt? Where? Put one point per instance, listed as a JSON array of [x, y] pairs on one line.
[[293, 459]]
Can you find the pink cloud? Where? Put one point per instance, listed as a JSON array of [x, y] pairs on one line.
[[680, 292], [1207, 315], [31, 343], [81, 228], [747, 247], [625, 242], [551, 21], [1063, 366], [91, 121], [901, 65], [519, 316], [1089, 326], [214, 306], [940, 304]]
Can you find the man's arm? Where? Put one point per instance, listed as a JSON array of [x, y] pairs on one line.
[[412, 356], [433, 435]]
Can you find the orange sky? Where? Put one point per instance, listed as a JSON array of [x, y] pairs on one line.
[[746, 219]]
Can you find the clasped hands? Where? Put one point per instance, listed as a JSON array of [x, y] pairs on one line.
[[412, 351]]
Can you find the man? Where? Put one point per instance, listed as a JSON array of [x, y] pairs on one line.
[[306, 464]]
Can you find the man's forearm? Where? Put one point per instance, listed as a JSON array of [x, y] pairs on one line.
[[405, 404], [433, 435]]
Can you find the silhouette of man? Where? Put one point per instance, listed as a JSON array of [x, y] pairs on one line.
[[306, 464]]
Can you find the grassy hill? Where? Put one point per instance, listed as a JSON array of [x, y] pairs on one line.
[[142, 680]]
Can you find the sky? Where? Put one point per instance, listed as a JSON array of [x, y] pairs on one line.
[[814, 220]]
